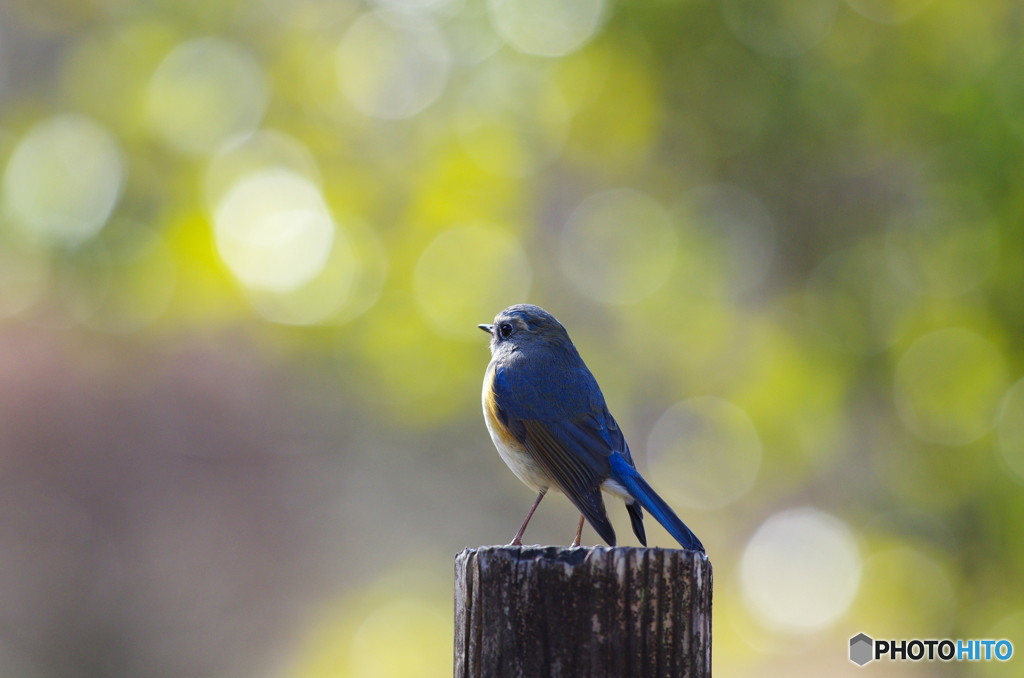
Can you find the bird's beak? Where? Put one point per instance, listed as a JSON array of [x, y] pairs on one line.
[[489, 329]]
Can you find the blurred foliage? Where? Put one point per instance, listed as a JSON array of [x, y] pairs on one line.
[[244, 247]]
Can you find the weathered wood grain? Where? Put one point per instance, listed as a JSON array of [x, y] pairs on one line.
[[531, 612]]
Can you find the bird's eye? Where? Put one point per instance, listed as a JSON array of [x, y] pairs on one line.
[[505, 330]]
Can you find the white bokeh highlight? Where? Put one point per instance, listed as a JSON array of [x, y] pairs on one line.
[[205, 92], [800, 571], [392, 69], [347, 286], [550, 28], [273, 230], [63, 180]]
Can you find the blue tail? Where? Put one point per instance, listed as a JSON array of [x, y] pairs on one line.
[[630, 478]]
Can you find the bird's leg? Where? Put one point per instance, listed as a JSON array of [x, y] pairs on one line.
[[518, 539], [579, 532]]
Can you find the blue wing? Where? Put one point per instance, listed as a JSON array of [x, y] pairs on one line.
[[559, 415]]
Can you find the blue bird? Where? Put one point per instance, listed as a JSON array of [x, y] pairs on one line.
[[547, 417]]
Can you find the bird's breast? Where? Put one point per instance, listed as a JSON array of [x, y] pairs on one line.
[[513, 452]]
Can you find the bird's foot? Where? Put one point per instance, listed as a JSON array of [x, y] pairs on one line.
[[579, 534]]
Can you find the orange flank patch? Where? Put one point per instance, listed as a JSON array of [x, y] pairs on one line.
[[491, 410]]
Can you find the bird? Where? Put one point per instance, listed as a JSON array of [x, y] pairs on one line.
[[549, 421]]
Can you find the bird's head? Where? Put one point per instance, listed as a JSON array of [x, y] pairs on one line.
[[523, 325]]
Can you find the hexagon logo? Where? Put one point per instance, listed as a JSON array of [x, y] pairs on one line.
[[862, 649]]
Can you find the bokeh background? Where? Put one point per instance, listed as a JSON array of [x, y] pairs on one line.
[[244, 246]]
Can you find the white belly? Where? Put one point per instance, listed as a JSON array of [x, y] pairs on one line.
[[517, 459]]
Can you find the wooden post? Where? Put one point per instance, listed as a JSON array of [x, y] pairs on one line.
[[548, 611]]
